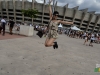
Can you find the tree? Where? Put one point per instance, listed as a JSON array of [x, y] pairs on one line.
[[32, 13]]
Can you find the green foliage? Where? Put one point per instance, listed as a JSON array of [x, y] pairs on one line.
[[30, 13]]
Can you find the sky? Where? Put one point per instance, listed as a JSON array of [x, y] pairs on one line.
[[92, 5]]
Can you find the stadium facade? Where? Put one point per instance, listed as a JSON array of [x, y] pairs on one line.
[[87, 21]]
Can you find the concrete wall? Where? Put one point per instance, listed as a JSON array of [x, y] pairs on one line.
[[94, 18], [70, 15], [86, 18], [70, 12]]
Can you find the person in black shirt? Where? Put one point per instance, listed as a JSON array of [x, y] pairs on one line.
[[11, 25]]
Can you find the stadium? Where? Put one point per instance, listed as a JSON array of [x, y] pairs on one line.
[[83, 19]]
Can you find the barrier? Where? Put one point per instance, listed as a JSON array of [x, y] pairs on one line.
[[24, 30]]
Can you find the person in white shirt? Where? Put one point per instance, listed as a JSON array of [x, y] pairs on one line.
[[3, 23], [84, 35], [92, 35], [91, 41], [86, 39], [36, 27], [30, 24], [18, 26]]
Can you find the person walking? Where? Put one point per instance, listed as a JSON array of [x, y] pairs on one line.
[[53, 28], [3, 23], [11, 25]]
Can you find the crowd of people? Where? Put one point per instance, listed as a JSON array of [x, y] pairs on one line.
[[93, 37], [38, 27], [42, 30]]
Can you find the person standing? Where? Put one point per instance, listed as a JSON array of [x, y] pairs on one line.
[[86, 39], [91, 41], [11, 25], [3, 23]]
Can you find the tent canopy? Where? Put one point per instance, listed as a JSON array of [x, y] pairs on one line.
[[60, 25], [75, 28]]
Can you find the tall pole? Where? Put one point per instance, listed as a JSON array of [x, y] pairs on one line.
[[43, 11], [1, 8], [32, 8], [14, 10], [33, 4], [53, 5], [23, 8]]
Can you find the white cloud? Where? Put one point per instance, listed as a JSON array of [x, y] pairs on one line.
[[40, 1], [93, 5], [80, 2], [61, 4]]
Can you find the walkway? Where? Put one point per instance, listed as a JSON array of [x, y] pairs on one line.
[[29, 56], [8, 36]]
